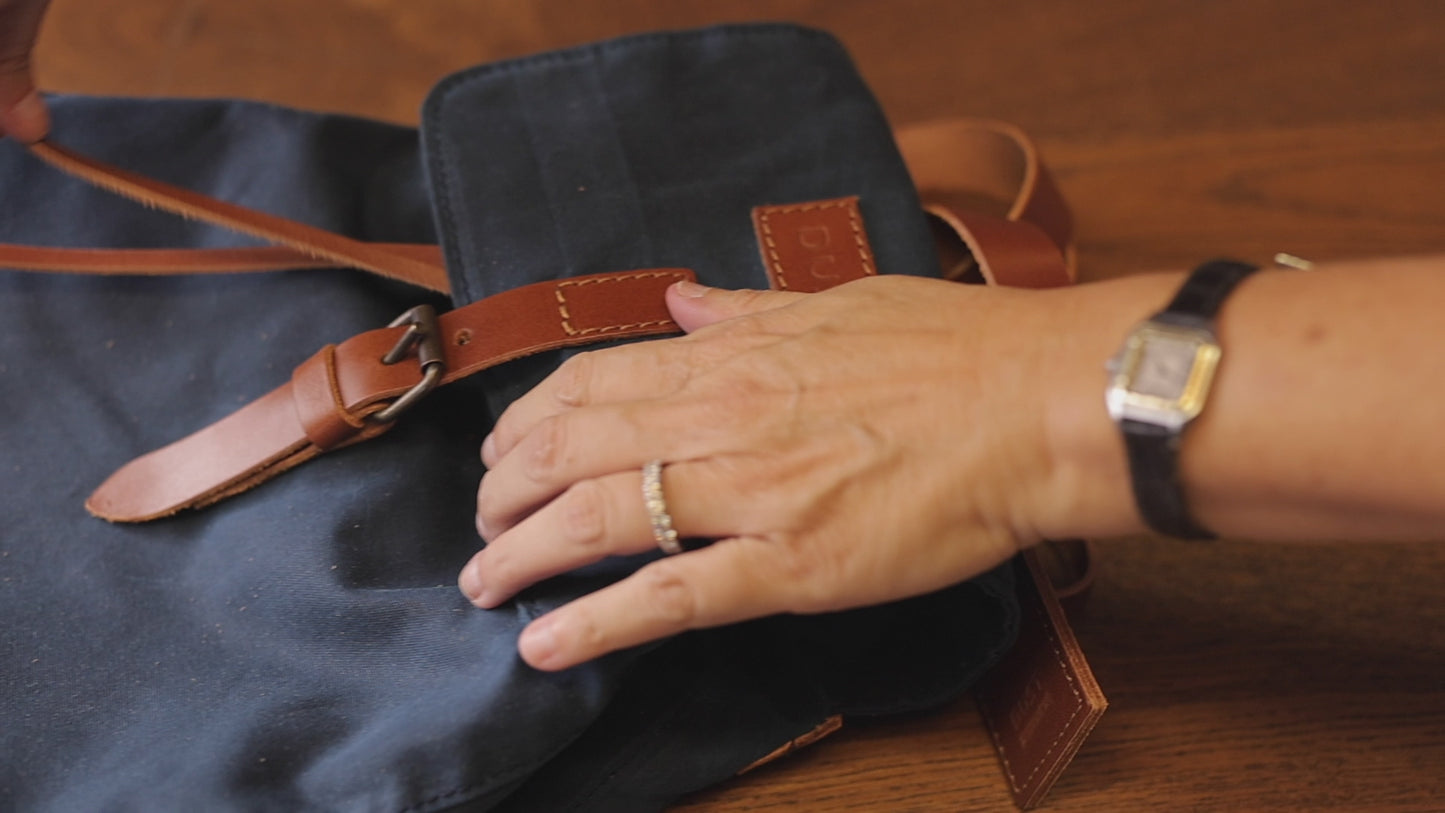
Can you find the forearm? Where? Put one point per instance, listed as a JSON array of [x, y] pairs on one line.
[[1325, 421]]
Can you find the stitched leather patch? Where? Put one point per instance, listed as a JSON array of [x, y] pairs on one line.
[[1041, 701], [815, 245], [588, 306]]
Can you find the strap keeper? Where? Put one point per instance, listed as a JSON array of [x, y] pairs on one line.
[[317, 397]]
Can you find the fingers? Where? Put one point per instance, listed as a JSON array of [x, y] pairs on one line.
[[647, 369], [590, 521], [696, 306], [28, 120], [23, 114], [717, 585], [562, 450], [632, 372]]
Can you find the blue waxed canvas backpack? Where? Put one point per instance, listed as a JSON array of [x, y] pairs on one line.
[[301, 644]]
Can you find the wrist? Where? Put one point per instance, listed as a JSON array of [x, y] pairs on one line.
[[1088, 491]]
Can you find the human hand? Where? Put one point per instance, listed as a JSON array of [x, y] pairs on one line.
[[22, 112], [877, 441]]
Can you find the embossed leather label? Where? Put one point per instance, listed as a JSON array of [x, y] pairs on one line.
[[815, 245], [1041, 701]]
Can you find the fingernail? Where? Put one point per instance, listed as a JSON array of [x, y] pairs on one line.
[[470, 581], [691, 290], [538, 643], [489, 449]]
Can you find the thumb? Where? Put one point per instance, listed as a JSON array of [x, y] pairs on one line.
[[26, 120], [696, 306], [22, 112]]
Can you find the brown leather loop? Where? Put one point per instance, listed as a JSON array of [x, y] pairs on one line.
[[1014, 253], [966, 167], [319, 408]]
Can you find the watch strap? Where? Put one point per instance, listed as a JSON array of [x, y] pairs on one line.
[[1207, 287], [1153, 449], [1154, 472]]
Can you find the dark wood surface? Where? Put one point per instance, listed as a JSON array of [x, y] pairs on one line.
[[1241, 676]]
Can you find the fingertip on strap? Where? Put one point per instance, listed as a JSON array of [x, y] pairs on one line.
[[27, 120]]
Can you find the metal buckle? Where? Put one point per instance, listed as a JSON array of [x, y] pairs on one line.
[[424, 334]]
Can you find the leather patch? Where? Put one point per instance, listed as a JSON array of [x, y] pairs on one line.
[[588, 306], [1041, 701], [811, 246]]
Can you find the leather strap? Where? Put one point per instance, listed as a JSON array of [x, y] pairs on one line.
[[418, 265], [1153, 450], [169, 261], [331, 397], [956, 164], [1154, 473], [1202, 294], [965, 167], [1041, 701]]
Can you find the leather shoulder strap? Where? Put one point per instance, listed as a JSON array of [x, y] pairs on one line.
[[985, 181], [958, 166], [297, 245]]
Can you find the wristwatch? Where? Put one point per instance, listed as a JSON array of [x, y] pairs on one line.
[[1159, 381]]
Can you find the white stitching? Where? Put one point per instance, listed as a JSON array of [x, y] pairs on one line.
[[860, 238], [1063, 729]]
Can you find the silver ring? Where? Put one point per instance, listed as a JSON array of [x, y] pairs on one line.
[[662, 529]]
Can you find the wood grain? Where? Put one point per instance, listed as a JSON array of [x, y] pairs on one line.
[[1241, 677]]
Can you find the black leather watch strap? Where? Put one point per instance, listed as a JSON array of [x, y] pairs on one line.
[[1207, 287], [1153, 449], [1154, 471]]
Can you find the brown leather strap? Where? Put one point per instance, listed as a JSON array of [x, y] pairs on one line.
[[1041, 701], [965, 167], [167, 261], [417, 265], [955, 163], [331, 398]]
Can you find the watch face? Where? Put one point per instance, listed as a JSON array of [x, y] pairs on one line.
[[1162, 375], [1164, 366]]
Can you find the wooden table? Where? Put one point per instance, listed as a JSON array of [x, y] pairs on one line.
[[1241, 676]]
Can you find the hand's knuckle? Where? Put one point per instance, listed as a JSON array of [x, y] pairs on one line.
[[497, 569], [489, 508], [809, 571], [744, 327], [671, 597], [587, 635], [548, 445], [675, 370], [502, 433], [584, 514], [574, 380]]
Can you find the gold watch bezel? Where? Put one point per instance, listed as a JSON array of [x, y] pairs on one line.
[[1127, 404]]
